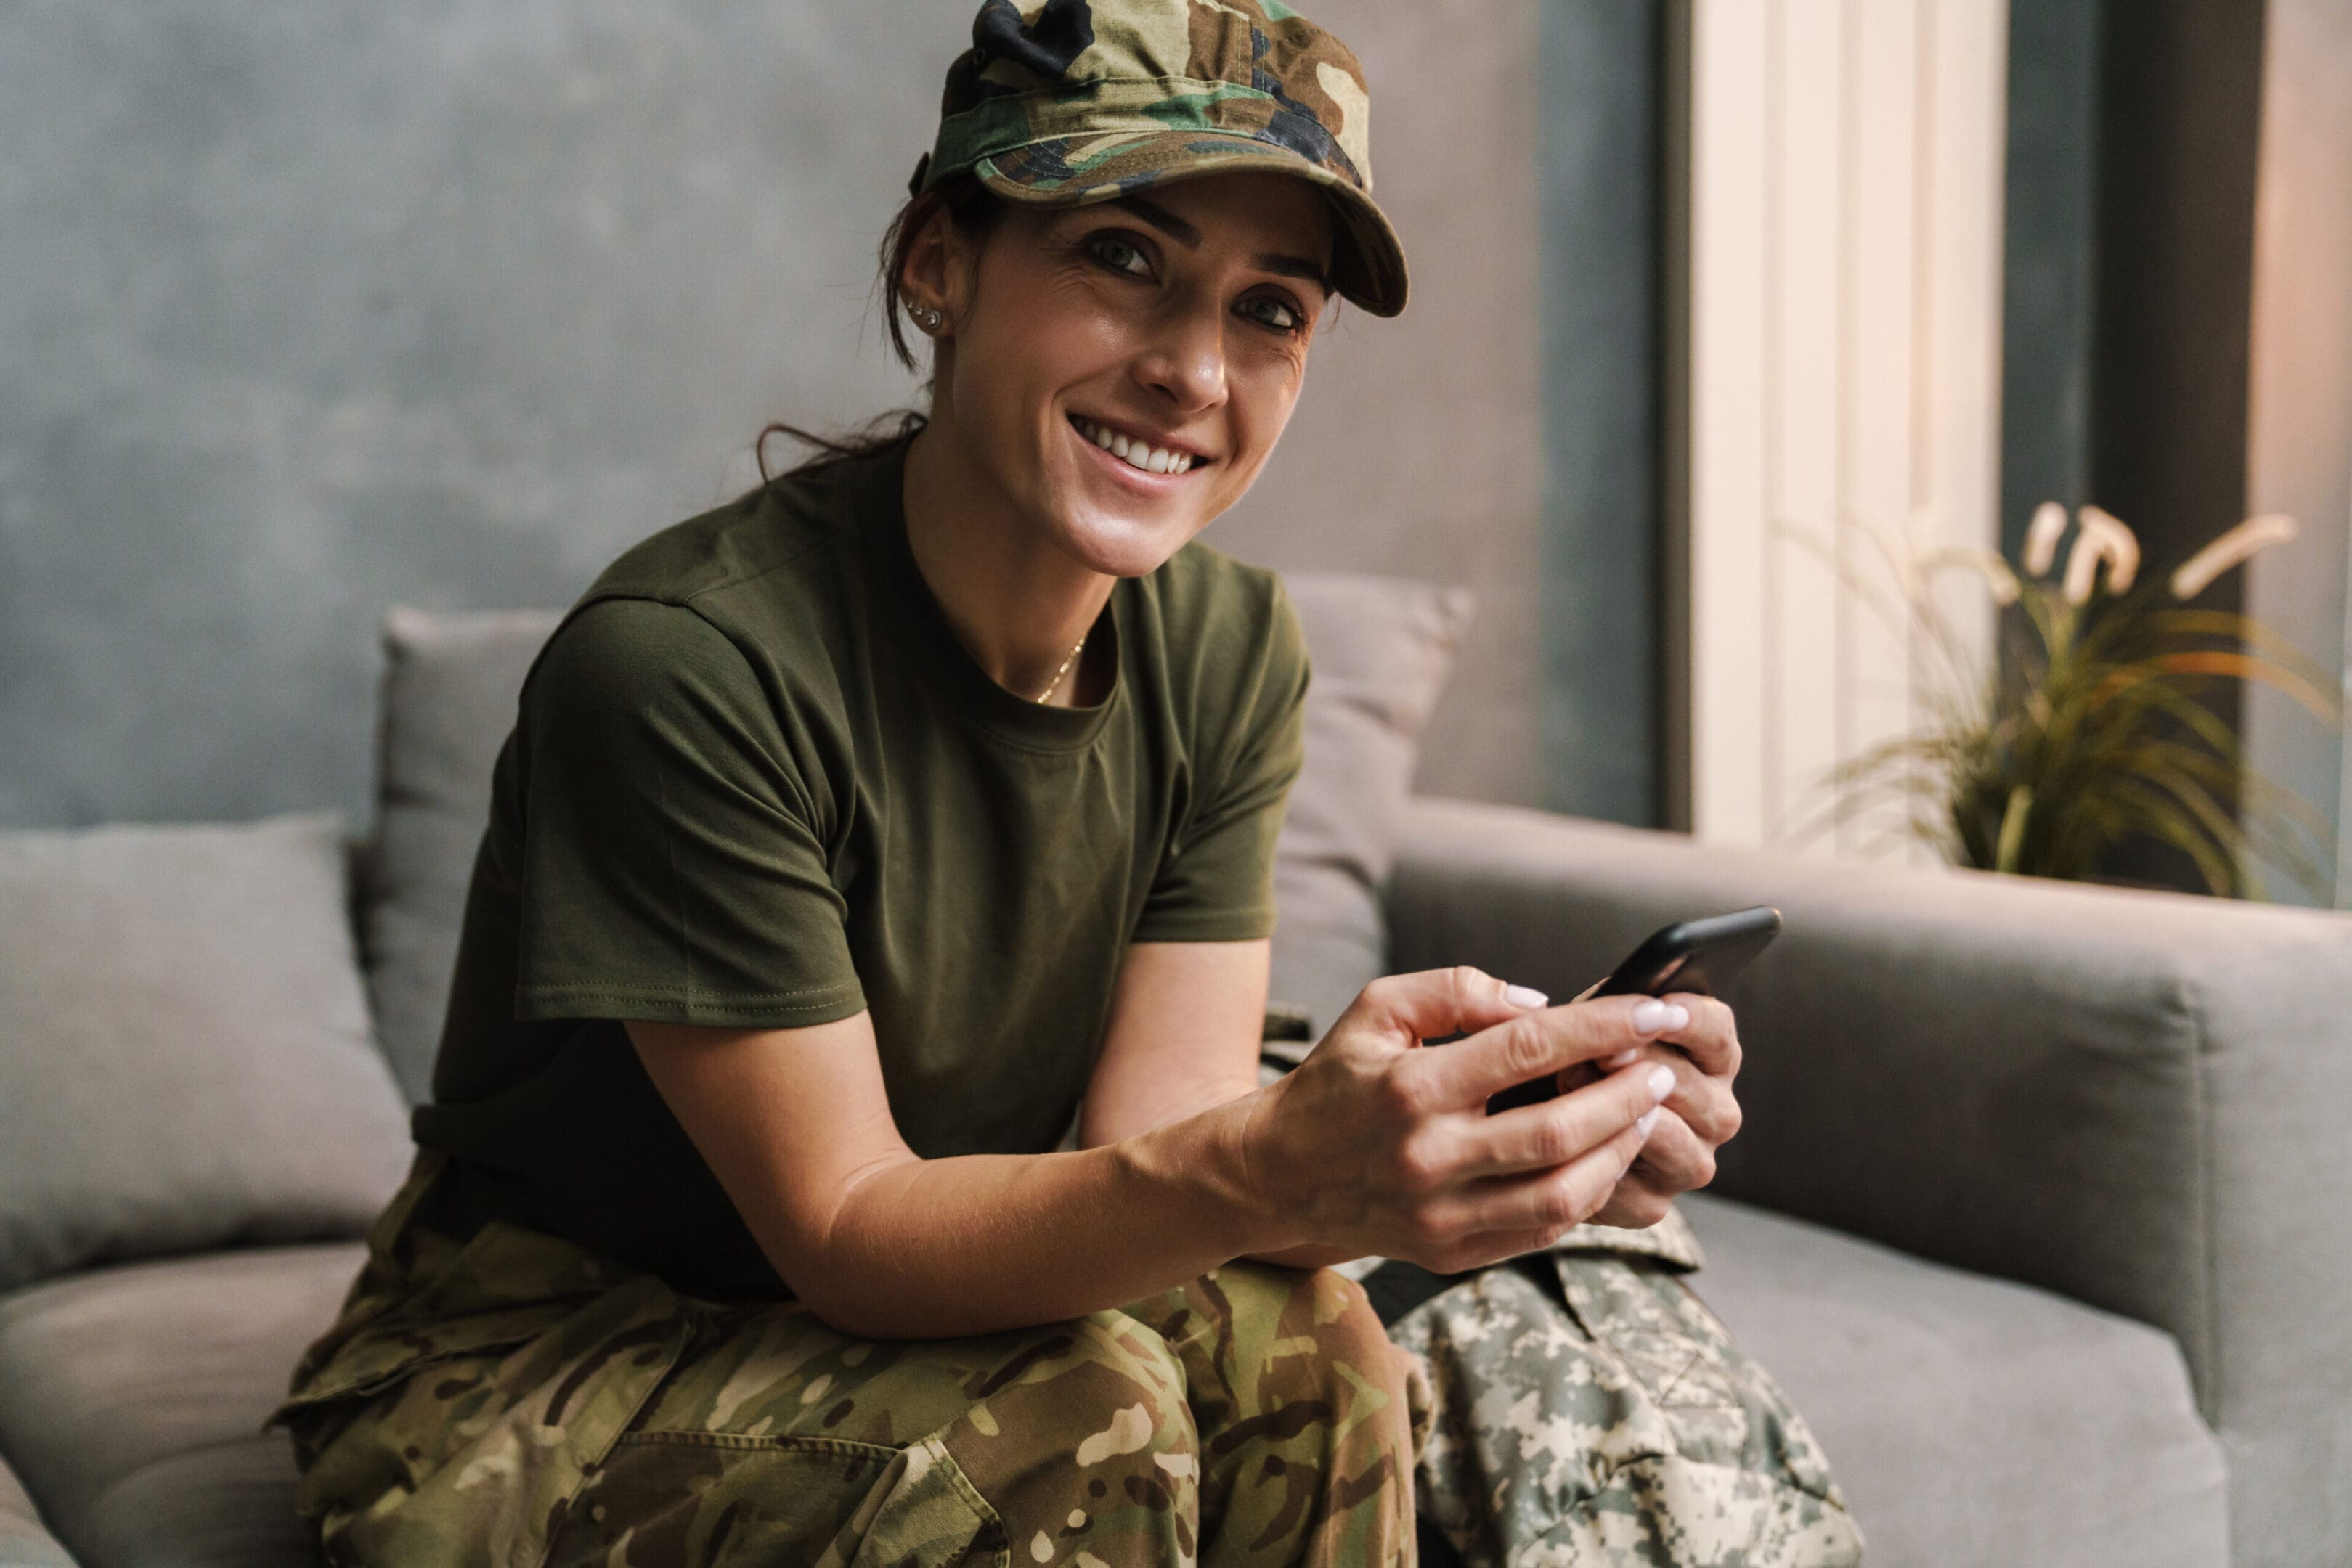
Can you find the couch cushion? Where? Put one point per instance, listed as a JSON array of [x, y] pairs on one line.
[[1382, 649], [1970, 1421], [131, 1400], [229, 1505], [184, 1050], [25, 1542]]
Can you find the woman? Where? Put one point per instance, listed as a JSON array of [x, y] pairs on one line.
[[854, 836]]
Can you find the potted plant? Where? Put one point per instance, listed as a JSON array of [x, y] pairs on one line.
[[2094, 729]]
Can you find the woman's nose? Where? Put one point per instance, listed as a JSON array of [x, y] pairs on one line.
[[1185, 362]]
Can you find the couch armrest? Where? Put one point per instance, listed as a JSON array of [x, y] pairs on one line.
[[24, 1543], [2137, 1099]]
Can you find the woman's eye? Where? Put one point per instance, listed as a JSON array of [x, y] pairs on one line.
[[1121, 255], [1276, 313]]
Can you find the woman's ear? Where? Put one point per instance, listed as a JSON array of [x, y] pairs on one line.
[[937, 273]]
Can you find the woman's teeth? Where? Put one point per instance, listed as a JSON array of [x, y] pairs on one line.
[[1135, 454]]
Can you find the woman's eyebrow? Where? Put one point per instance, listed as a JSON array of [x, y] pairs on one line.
[[1292, 266], [1161, 218], [1176, 228]]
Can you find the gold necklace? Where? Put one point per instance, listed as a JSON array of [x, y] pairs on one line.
[[1046, 695]]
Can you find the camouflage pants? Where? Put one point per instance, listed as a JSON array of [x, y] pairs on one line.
[[515, 1400], [1590, 1409]]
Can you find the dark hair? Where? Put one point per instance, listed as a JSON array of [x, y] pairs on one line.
[[975, 210]]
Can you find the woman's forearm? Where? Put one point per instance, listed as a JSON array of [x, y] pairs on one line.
[[976, 1243], [1110, 1117]]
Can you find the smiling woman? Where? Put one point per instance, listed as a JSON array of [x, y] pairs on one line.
[[846, 1141], [1114, 376]]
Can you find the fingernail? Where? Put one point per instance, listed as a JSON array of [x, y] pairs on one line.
[[1649, 1120], [1625, 1058], [1524, 996], [1662, 1082], [1653, 1015]]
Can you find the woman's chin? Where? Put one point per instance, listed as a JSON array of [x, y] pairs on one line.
[[1122, 523], [1123, 546]]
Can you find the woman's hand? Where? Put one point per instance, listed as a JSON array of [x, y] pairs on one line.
[[1700, 1117], [1376, 1145]]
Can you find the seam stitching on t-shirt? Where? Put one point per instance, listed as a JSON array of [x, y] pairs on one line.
[[753, 574], [828, 537], [979, 725], [998, 737], [801, 807]]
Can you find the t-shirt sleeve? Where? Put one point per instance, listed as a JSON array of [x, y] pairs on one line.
[[1216, 882], [673, 865]]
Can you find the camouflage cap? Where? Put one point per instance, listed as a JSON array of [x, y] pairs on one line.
[[1065, 102]]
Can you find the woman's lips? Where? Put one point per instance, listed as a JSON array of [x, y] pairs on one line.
[[1135, 456]]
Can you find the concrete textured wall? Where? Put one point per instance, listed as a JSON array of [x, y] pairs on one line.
[[306, 310]]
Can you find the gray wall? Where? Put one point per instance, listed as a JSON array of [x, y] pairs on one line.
[[2049, 260], [305, 310], [1603, 183]]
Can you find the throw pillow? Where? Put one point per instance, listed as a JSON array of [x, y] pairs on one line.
[[1382, 648], [450, 683], [184, 1051]]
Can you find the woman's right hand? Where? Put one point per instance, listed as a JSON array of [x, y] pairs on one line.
[[1375, 1144]]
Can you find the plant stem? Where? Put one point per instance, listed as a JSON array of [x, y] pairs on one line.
[[2012, 828]]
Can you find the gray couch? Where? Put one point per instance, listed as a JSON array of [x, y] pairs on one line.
[[2039, 1213]]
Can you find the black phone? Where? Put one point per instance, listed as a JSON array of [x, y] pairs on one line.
[[1698, 955]]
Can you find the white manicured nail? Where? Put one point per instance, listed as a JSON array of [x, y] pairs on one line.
[[1653, 1015], [1524, 996], [1649, 1120], [1625, 1058], [1662, 1082]]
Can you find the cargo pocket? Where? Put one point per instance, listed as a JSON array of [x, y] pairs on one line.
[[719, 1499], [454, 1310]]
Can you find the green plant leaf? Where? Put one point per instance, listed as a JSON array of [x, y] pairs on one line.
[[2013, 827], [2159, 817]]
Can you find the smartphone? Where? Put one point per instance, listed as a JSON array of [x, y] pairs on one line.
[[1698, 955]]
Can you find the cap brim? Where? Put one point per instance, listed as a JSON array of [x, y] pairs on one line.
[[1367, 261]]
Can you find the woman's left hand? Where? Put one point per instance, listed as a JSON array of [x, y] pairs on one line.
[[1700, 1117]]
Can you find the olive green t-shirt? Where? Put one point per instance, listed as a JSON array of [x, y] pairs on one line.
[[756, 778]]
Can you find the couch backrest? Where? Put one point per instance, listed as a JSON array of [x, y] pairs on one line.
[[2133, 1098]]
